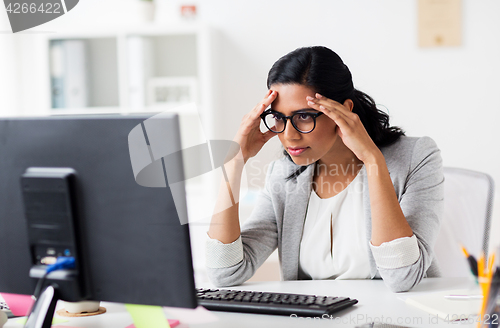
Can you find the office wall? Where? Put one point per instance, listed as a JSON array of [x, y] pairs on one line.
[[449, 94]]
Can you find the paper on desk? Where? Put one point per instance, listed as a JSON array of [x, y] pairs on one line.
[[20, 305], [173, 323], [447, 309], [147, 316], [191, 316], [22, 321]]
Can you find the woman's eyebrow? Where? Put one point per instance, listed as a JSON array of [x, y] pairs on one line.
[[303, 110]]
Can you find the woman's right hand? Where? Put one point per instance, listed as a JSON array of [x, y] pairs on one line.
[[249, 136]]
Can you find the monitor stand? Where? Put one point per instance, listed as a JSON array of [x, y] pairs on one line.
[[43, 310]]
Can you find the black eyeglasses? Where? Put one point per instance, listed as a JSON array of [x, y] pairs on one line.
[[303, 122]]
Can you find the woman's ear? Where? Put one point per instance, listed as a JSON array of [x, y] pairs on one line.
[[349, 104]]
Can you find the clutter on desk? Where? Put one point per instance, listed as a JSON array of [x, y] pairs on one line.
[[448, 309], [145, 316], [20, 305], [489, 279], [192, 316], [22, 321], [172, 322], [65, 313], [472, 262]]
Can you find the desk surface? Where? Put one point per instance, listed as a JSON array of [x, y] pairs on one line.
[[376, 302]]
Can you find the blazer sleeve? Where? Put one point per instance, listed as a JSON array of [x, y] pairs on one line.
[[258, 239], [421, 201]]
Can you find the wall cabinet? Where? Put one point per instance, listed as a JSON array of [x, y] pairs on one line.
[[141, 69]]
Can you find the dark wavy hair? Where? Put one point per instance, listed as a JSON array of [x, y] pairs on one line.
[[322, 70]]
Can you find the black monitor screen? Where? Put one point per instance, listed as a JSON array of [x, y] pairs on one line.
[[135, 249]]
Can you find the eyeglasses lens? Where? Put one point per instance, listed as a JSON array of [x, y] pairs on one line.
[[303, 121], [275, 122]]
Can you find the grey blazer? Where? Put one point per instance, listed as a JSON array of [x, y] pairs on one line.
[[415, 167]]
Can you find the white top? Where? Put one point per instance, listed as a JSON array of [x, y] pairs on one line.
[[333, 244]]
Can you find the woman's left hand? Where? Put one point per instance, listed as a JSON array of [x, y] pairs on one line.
[[350, 128]]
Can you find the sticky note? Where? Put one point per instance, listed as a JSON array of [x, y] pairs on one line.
[[192, 316], [59, 320], [147, 316], [20, 305], [173, 323]]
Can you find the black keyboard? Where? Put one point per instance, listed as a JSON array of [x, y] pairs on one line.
[[271, 303]]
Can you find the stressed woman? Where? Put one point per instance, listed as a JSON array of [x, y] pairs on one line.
[[353, 198]]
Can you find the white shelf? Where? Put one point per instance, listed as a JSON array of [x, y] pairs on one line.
[[120, 110], [120, 62], [142, 29]]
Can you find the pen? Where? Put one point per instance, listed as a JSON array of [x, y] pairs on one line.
[[472, 262], [463, 297]]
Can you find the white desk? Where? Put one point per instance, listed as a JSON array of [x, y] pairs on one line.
[[375, 302]]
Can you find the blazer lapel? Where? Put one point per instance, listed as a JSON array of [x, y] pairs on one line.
[[297, 198]]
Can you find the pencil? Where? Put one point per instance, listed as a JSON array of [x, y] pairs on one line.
[[484, 287], [492, 287], [472, 262], [491, 260]]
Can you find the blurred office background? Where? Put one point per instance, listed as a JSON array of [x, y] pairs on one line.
[[225, 48]]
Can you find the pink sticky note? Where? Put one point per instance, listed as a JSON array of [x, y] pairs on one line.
[[20, 305], [192, 316], [171, 322]]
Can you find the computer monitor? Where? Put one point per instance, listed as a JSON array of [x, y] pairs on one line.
[[133, 247]]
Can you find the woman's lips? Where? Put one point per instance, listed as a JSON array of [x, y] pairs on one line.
[[296, 151]]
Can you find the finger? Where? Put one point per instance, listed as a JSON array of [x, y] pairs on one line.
[[265, 102], [336, 116], [270, 98], [330, 103], [261, 107], [250, 122], [268, 135], [267, 94], [326, 100], [326, 108], [322, 100]]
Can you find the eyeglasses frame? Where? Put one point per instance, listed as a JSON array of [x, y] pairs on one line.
[[286, 118]]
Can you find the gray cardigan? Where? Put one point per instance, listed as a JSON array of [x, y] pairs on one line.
[[415, 167]]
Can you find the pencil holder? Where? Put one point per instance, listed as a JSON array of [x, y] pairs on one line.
[[490, 310], [80, 307]]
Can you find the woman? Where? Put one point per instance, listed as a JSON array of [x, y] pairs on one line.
[[353, 198]]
